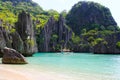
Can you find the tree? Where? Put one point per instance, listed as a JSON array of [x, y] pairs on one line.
[[64, 13], [75, 39], [54, 37]]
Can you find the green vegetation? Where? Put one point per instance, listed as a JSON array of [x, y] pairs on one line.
[[118, 44], [96, 37], [98, 41], [30, 42], [90, 25], [90, 16], [57, 47], [12, 30], [54, 37], [64, 13], [9, 11], [75, 39]]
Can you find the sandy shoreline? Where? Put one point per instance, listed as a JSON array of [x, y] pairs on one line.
[[8, 74], [18, 72], [15, 73]]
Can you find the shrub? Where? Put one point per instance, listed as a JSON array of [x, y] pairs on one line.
[[75, 39], [30, 42], [12, 30], [118, 44]]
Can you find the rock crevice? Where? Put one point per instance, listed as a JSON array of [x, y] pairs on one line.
[[22, 38], [56, 34]]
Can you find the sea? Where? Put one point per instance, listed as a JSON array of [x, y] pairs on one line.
[[72, 66]]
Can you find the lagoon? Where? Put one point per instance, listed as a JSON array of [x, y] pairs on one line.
[[70, 66]]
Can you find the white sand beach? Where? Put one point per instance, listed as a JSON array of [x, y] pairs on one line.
[[12, 74], [7, 72]]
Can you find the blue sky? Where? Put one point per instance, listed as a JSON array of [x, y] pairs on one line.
[[61, 5]]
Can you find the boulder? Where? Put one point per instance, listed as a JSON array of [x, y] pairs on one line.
[[11, 56]]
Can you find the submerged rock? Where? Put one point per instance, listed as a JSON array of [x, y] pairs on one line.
[[11, 56]]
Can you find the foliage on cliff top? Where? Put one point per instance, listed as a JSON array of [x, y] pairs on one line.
[[9, 10]]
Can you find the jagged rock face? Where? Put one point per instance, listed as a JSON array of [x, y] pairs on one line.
[[25, 29], [110, 47], [107, 46], [64, 31], [48, 30], [55, 34], [11, 56], [24, 26], [16, 39], [5, 38], [81, 49], [90, 16], [23, 39], [87, 15], [2, 40]]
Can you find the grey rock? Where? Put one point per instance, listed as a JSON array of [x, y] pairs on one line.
[[55, 34], [85, 14], [25, 29], [23, 39], [11, 56], [5, 38], [48, 30], [110, 47], [17, 42]]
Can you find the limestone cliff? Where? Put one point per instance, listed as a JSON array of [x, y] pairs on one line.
[[90, 15], [5, 38], [91, 29], [21, 37], [96, 29], [110, 47], [25, 29], [98, 43], [55, 35]]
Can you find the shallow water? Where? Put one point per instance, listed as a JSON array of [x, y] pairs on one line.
[[74, 66]]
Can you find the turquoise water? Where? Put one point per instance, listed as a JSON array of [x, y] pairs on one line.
[[73, 66], [77, 64]]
